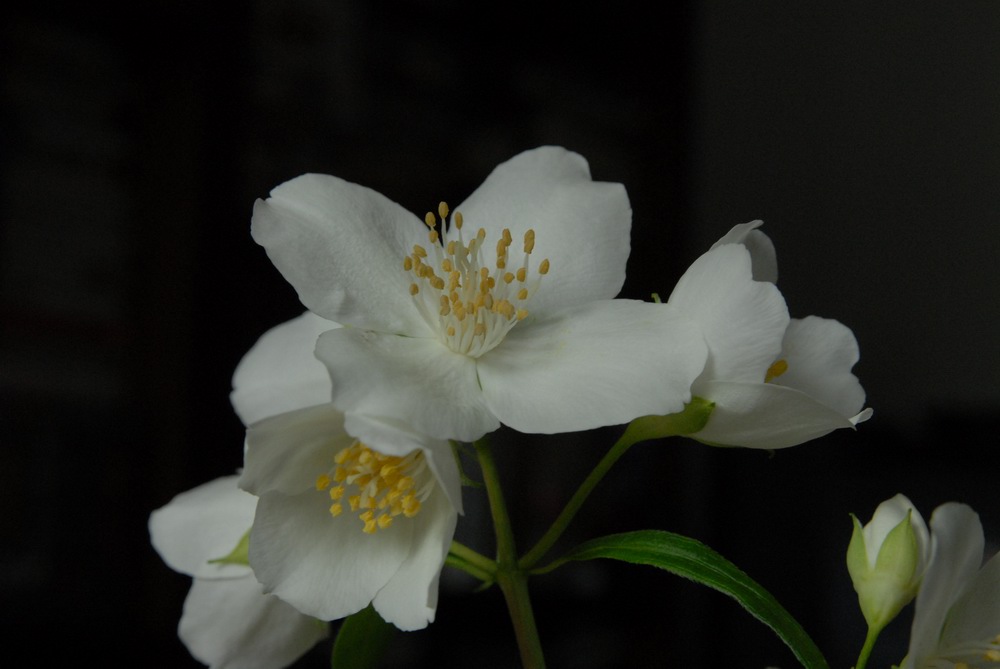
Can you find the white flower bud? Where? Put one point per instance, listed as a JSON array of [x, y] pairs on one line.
[[886, 559]]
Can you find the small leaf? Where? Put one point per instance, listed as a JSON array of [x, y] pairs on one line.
[[362, 640], [692, 419], [693, 560]]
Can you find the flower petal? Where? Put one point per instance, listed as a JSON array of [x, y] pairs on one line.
[[409, 599], [231, 624], [762, 254], [418, 381], [596, 364], [287, 452], [280, 372], [956, 553], [743, 320], [324, 566], [580, 225], [820, 353], [764, 415], [975, 615], [341, 246], [391, 437], [203, 524]]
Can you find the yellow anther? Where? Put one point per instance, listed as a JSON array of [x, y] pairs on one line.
[[340, 475], [355, 502], [774, 371], [419, 251], [384, 521], [451, 246], [529, 241], [481, 234], [479, 330], [414, 289], [522, 294], [544, 267], [506, 236], [337, 492], [322, 482], [429, 220], [501, 262], [370, 527], [522, 314], [508, 277], [443, 210], [437, 283], [433, 236], [336, 509], [451, 331], [446, 265], [993, 655], [458, 219], [407, 263], [522, 275]]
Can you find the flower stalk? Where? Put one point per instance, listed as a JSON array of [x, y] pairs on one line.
[[511, 578]]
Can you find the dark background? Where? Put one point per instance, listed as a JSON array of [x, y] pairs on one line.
[[134, 141]]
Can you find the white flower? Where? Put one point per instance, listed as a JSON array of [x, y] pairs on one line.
[[352, 509], [502, 313], [886, 559], [227, 623], [956, 623], [776, 382]]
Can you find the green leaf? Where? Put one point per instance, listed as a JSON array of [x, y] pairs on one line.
[[362, 640], [693, 560], [692, 419]]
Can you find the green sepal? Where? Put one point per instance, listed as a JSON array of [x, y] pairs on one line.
[[692, 419], [693, 560], [239, 555], [362, 640], [857, 553]]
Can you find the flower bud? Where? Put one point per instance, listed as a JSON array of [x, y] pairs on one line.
[[886, 559]]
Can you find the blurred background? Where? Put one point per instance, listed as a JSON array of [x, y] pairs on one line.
[[133, 143]]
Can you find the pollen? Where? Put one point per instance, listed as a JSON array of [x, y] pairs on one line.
[[378, 487], [468, 295], [774, 371]]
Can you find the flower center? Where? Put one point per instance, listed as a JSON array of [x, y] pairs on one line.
[[774, 371], [469, 303], [376, 487]]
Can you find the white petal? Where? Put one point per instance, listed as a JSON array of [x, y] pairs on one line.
[[418, 381], [409, 599], [341, 246], [820, 353], [764, 415], [602, 363], [580, 225], [956, 553], [203, 524], [976, 613], [885, 519], [324, 566], [280, 372], [391, 437], [287, 452], [743, 320], [760, 246], [231, 624]]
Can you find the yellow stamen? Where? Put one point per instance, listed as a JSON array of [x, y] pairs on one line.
[[429, 220], [387, 486], [543, 269], [443, 210], [774, 371]]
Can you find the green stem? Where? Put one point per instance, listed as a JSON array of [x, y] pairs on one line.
[[456, 562], [472, 557], [866, 650], [512, 580], [462, 557], [579, 497]]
